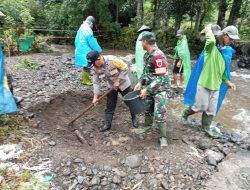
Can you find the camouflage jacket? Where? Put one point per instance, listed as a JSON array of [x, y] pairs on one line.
[[155, 76]]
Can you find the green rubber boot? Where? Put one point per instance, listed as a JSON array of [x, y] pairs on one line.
[[163, 134], [187, 112], [206, 122], [147, 127], [86, 79]]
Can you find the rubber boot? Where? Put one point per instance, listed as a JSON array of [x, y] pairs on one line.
[[163, 134], [134, 121], [206, 122], [187, 112], [107, 122], [86, 79], [147, 127]]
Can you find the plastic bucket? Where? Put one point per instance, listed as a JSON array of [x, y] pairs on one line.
[[134, 102]]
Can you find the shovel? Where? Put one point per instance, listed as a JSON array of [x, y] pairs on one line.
[[89, 107], [77, 132]]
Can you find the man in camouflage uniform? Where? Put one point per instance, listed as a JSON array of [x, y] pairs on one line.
[[115, 71], [155, 82]]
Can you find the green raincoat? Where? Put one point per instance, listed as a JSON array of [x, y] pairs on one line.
[[139, 53], [183, 52]]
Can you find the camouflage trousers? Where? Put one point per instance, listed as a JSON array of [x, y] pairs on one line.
[[155, 107]]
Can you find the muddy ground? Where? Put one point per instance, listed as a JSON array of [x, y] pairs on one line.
[[116, 159]]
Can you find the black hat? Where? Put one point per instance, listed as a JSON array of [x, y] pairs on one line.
[[92, 57]]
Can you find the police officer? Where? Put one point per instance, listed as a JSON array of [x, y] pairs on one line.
[[155, 82], [84, 43], [115, 72]]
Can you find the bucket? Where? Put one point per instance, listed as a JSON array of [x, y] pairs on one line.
[[134, 102]]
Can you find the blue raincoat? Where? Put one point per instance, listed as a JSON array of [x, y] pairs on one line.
[[7, 102], [190, 93], [84, 43]]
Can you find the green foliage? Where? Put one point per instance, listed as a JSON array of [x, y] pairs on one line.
[[26, 175], [23, 180], [115, 18], [3, 171], [127, 38], [17, 13], [26, 64]]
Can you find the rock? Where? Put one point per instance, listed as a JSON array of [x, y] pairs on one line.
[[107, 168], [95, 171], [43, 47], [133, 161], [1, 179], [73, 185], [120, 173], [116, 179], [195, 175], [59, 188], [237, 136], [164, 184], [78, 160], [213, 157], [225, 150], [144, 170], [83, 168], [204, 144], [52, 143], [131, 177], [159, 176], [138, 177], [80, 179], [171, 178], [68, 163], [95, 181], [153, 182], [89, 172], [66, 172]]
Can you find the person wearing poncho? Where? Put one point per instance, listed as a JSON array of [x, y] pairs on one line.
[[139, 51], [84, 43], [210, 78], [182, 63], [7, 102]]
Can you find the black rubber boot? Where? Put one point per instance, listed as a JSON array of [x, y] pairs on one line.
[[134, 121], [107, 122]]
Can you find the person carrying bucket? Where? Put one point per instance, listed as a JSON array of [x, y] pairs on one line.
[[84, 43], [115, 71], [153, 85], [210, 78]]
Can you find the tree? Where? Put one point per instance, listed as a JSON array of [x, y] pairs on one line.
[[139, 13], [222, 13], [245, 15], [200, 11], [234, 13]]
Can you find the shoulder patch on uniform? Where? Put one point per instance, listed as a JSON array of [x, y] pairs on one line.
[[160, 65]]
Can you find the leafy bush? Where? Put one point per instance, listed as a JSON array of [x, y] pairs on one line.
[[127, 38], [26, 64]]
